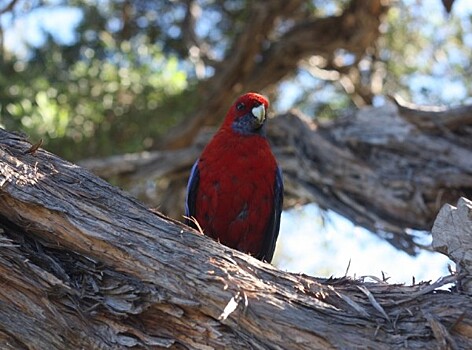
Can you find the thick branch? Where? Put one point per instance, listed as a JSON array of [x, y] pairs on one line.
[[250, 67], [376, 167], [355, 30], [218, 92], [83, 265], [433, 118]]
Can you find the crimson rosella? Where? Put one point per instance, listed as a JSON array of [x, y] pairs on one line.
[[235, 190]]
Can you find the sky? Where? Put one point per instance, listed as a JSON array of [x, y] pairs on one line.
[[306, 244], [337, 248]]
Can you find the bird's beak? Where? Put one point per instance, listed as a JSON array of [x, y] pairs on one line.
[[260, 114]]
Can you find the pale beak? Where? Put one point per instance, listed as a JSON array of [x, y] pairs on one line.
[[259, 113]]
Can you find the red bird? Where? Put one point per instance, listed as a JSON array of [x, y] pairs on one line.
[[235, 190]]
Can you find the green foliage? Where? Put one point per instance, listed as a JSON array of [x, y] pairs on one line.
[[107, 98]]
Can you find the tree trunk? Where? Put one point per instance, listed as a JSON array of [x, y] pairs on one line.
[[84, 265], [388, 169]]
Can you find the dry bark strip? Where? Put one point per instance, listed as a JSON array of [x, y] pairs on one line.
[[84, 265]]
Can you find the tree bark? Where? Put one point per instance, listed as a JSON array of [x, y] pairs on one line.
[[452, 235], [84, 265], [388, 169]]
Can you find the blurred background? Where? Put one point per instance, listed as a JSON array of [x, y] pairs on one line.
[[133, 80]]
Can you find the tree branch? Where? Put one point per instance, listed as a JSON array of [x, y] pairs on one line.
[[434, 118], [83, 265], [250, 67], [8, 7], [375, 158]]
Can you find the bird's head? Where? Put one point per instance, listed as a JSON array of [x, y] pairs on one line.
[[248, 114]]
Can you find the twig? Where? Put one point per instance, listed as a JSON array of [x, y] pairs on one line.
[[374, 302]]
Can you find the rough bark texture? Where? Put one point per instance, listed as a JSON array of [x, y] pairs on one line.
[[84, 265], [388, 169]]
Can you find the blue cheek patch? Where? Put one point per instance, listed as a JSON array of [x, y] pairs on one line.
[[247, 125]]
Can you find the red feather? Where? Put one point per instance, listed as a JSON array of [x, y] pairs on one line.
[[235, 201], [235, 181]]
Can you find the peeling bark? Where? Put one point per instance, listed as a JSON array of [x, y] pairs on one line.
[[84, 265], [452, 236]]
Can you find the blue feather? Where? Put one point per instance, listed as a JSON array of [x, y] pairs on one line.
[[191, 197], [272, 231]]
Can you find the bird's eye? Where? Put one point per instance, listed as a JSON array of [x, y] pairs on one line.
[[240, 106]]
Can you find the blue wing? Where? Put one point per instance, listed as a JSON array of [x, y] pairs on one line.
[[272, 232], [191, 197]]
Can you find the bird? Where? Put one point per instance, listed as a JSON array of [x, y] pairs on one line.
[[235, 188]]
